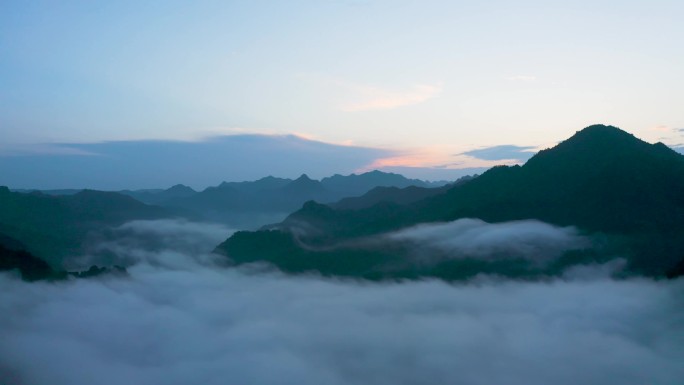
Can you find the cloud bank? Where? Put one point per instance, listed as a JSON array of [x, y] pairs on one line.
[[164, 163], [473, 238], [195, 323], [153, 241]]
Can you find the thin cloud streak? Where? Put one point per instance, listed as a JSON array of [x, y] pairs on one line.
[[502, 152], [661, 128], [375, 98], [434, 158], [523, 78]]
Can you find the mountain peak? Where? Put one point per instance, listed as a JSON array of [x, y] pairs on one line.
[[180, 188], [602, 131], [596, 146], [600, 128], [304, 185]]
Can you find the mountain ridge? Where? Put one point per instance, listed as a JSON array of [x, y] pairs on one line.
[[602, 180]]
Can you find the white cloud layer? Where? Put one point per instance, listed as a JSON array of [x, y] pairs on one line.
[[157, 241], [193, 323], [474, 238]]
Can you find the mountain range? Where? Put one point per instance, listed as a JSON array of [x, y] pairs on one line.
[[604, 193], [253, 203], [59, 224], [603, 181], [55, 226]]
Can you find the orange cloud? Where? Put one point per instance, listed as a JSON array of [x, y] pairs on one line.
[[661, 128], [443, 158]]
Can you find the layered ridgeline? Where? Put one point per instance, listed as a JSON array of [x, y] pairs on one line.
[[251, 204], [55, 226], [15, 257], [600, 195]]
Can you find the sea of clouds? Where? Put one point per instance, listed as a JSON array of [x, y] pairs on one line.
[[182, 317], [532, 240]]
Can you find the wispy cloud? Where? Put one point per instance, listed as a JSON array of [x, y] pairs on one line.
[[437, 158], [353, 96], [662, 128], [474, 238], [43, 149], [502, 152], [369, 98], [522, 78]]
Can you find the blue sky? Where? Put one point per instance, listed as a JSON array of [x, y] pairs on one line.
[[429, 80]]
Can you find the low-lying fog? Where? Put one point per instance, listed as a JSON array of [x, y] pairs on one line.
[[180, 317]]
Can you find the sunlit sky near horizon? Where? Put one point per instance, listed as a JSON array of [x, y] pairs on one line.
[[428, 79]]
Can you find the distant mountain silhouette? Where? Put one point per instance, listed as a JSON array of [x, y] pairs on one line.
[[269, 199], [602, 180], [354, 185], [305, 188], [55, 226], [161, 197], [397, 195], [59, 225], [266, 183], [30, 267], [14, 256]]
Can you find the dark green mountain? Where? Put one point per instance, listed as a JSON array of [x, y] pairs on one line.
[[13, 256], [54, 227], [263, 184], [402, 196], [354, 185], [397, 195], [602, 180]]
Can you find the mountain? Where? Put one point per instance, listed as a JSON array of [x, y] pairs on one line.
[[305, 188], [395, 195], [601, 180], [402, 196], [270, 199], [263, 184], [51, 192], [13, 256], [161, 197], [251, 204], [353, 185], [55, 227]]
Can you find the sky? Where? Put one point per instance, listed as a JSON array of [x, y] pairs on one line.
[[424, 83]]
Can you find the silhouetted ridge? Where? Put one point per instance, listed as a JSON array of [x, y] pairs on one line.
[[304, 185], [180, 189], [55, 226], [600, 146], [601, 180]]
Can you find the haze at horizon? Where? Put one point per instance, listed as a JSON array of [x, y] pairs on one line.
[[421, 82]]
